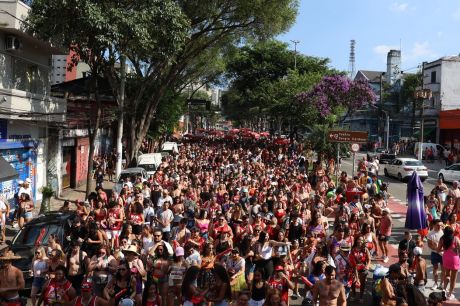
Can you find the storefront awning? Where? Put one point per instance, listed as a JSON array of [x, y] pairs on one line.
[[449, 120], [7, 173]]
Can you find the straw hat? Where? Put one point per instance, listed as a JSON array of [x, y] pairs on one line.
[[9, 255], [131, 249]]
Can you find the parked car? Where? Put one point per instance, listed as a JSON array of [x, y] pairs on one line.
[[132, 173], [386, 158], [375, 153], [402, 168], [36, 233], [450, 174]]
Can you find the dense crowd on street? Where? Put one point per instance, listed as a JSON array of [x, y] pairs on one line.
[[241, 223]]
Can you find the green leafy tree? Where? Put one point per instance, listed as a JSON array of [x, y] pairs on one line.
[[410, 85], [164, 41], [263, 83]]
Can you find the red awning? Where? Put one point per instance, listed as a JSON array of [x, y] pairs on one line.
[[449, 120]]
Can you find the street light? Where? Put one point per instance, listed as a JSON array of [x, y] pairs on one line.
[[388, 129]]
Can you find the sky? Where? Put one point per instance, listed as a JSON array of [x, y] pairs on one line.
[[425, 29]]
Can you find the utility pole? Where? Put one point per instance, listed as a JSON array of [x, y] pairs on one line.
[[295, 42], [422, 94], [381, 102]]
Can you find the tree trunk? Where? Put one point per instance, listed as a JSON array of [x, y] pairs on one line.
[[93, 134]]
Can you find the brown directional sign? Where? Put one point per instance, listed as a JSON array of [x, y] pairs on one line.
[[347, 136]]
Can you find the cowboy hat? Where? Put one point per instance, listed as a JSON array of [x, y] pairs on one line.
[[131, 249], [9, 255]]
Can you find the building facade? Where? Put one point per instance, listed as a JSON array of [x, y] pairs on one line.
[[441, 114], [28, 113]]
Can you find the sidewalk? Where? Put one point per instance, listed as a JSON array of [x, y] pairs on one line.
[[77, 194]]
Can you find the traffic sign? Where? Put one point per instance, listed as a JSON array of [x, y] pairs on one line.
[[347, 136], [355, 147]]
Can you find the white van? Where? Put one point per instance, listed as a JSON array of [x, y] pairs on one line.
[[150, 162], [436, 147], [170, 147]]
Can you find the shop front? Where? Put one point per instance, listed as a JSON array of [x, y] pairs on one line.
[[74, 166], [449, 126]]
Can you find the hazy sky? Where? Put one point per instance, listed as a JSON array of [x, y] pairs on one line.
[[425, 29]]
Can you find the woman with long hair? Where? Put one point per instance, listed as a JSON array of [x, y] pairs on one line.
[[56, 258], [122, 285], [191, 294], [202, 223], [151, 296], [26, 206], [95, 239], [360, 260], [53, 243], [39, 269], [263, 254], [206, 277], [258, 288], [221, 290], [158, 266], [450, 244], [101, 266], [136, 218]]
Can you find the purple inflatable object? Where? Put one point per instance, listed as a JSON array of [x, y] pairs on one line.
[[415, 217]]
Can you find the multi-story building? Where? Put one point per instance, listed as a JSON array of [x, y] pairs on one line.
[[386, 85], [29, 116], [60, 72], [441, 114]]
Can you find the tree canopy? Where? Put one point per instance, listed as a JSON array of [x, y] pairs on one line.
[[167, 42], [263, 82]]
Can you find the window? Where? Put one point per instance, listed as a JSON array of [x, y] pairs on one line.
[[29, 77], [414, 163], [31, 234], [433, 76]]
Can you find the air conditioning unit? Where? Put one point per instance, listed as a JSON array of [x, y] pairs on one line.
[[12, 43]]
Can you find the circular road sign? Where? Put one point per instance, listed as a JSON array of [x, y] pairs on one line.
[[355, 147]]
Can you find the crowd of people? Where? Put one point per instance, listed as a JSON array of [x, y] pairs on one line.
[[241, 223]]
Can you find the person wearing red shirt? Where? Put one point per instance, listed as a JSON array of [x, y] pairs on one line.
[[281, 282], [360, 260]]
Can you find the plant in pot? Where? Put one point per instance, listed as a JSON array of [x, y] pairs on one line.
[[47, 193]]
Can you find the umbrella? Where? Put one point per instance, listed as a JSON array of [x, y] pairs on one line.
[[415, 217]]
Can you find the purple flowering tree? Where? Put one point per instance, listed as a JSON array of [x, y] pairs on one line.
[[337, 93]]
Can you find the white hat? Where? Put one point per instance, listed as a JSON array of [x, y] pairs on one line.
[[20, 182], [386, 210], [28, 180], [418, 251]]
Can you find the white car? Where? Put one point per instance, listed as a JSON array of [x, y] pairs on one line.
[[402, 168], [450, 174], [132, 173]]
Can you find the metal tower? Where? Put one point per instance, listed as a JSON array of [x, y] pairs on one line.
[[351, 65]]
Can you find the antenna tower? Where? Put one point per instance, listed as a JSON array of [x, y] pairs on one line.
[[351, 65]]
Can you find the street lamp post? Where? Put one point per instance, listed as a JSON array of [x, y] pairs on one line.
[[388, 129]]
